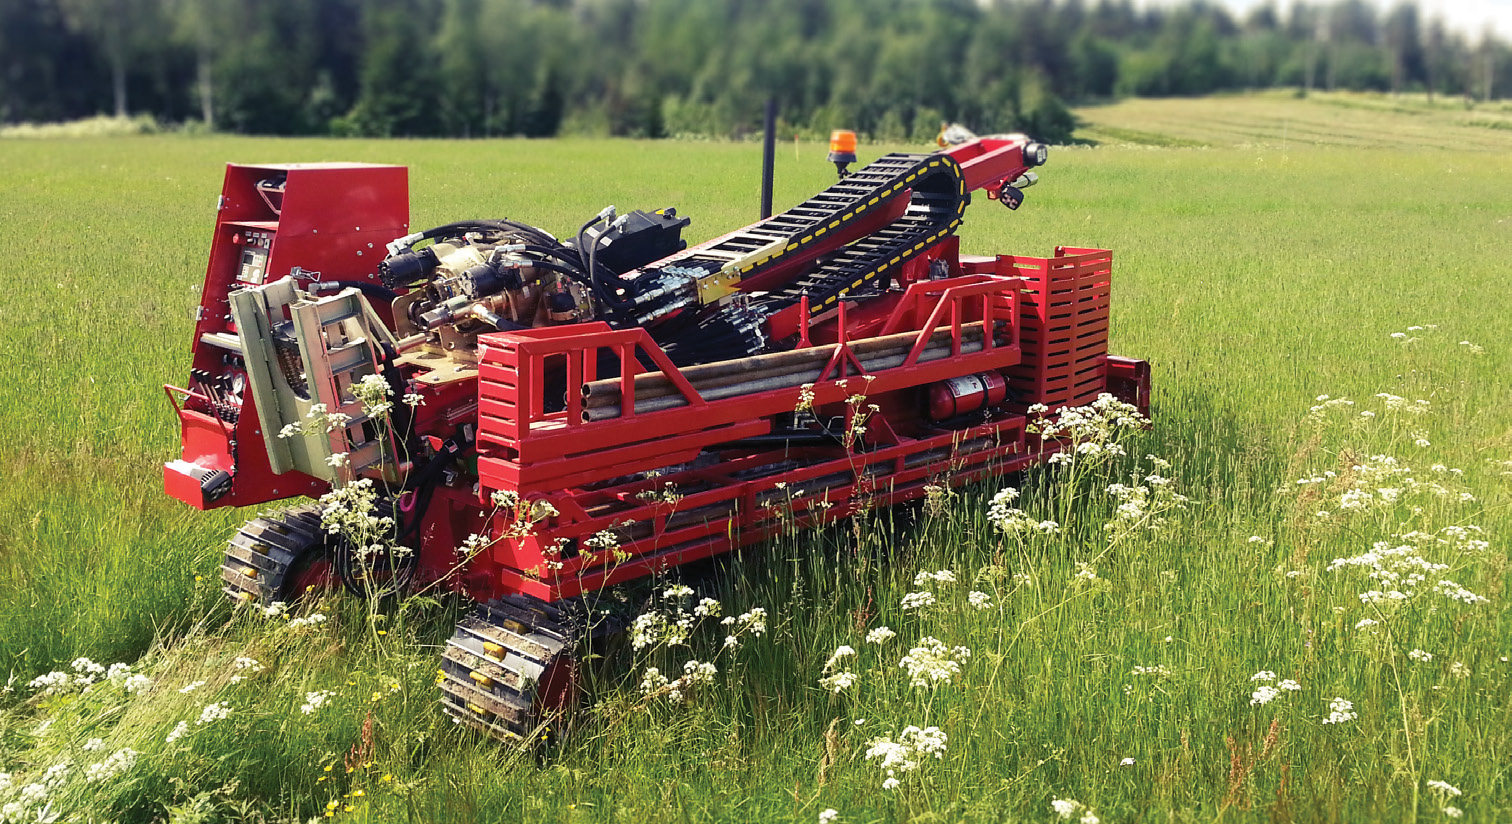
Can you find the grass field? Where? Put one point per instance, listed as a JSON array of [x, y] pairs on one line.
[[1257, 267]]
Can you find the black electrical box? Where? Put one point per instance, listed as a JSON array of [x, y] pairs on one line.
[[643, 237]]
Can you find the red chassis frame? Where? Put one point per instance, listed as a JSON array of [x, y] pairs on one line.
[[561, 459]]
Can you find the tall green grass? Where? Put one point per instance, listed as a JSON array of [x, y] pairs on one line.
[[1254, 279]]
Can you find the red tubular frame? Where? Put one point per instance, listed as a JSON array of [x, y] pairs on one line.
[[562, 459]]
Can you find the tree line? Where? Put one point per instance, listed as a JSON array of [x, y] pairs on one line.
[[651, 68]]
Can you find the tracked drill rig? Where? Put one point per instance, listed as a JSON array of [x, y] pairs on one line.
[[584, 411]]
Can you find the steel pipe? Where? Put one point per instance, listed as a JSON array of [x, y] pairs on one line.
[[766, 382], [654, 385]]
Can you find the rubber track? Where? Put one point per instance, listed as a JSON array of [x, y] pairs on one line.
[[493, 662], [938, 201], [260, 554]]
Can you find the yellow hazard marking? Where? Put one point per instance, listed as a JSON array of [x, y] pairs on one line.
[[873, 201], [792, 246], [492, 650], [807, 238], [821, 230], [483, 681], [848, 215], [895, 260], [857, 283]]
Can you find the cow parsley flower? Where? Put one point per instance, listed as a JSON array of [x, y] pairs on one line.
[[1444, 788], [943, 576], [907, 753], [929, 663], [179, 731], [979, 600], [213, 712], [314, 701], [880, 635], [1340, 711], [1264, 694], [1420, 656], [829, 816], [117, 763], [839, 682], [923, 599]]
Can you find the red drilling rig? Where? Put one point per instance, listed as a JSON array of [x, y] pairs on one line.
[[579, 412]]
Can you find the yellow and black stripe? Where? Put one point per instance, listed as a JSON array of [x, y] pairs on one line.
[[938, 199]]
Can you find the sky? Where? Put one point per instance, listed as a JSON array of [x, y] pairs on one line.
[[1469, 17]]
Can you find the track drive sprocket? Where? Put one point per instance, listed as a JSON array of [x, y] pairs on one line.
[[514, 665], [277, 557]]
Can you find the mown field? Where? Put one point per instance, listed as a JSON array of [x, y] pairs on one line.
[[1259, 265]]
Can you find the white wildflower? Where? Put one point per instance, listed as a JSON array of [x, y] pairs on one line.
[[213, 712], [1340, 711], [314, 701], [1127, 762], [117, 763], [929, 663], [652, 681], [979, 600], [1420, 656], [880, 635], [188, 688], [839, 682], [179, 731], [943, 576], [922, 599], [829, 816], [1264, 694], [1444, 788]]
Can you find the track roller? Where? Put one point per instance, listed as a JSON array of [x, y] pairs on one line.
[[277, 557], [513, 666]]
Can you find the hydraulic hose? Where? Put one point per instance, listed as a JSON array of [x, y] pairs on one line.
[[372, 290]]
